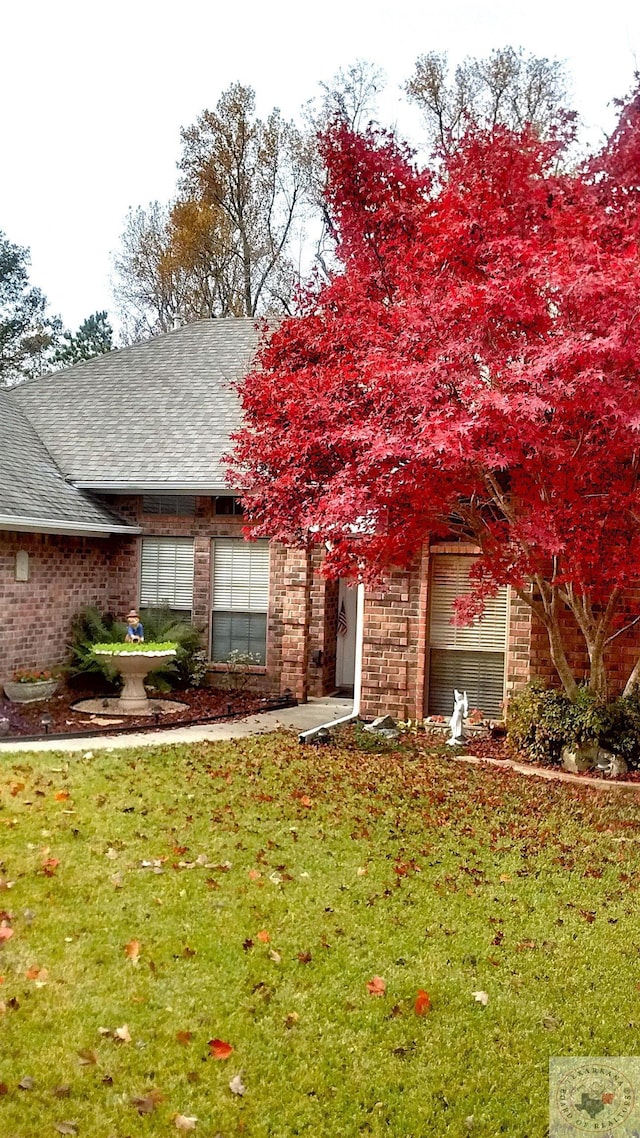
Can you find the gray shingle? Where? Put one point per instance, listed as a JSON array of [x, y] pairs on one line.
[[158, 413], [31, 486]]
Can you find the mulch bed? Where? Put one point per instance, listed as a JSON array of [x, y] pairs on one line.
[[201, 704]]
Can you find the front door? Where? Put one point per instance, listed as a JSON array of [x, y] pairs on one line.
[[346, 636]]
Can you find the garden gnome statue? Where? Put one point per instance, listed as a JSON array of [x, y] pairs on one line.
[[135, 631], [460, 709]]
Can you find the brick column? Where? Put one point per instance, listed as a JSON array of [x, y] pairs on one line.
[[200, 615], [296, 614]]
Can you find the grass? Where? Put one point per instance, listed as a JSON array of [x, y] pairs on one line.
[[401, 865]]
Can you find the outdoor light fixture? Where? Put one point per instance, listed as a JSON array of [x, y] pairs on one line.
[[46, 722]]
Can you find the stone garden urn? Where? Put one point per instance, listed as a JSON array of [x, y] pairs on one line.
[[134, 666]]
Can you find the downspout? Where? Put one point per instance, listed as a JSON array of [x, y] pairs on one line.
[[307, 736]]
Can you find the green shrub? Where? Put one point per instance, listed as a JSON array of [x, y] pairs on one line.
[[91, 627], [188, 667], [161, 626], [541, 721]]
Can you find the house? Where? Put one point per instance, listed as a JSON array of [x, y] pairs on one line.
[[113, 492]]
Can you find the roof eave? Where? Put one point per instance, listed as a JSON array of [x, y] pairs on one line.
[[63, 526], [166, 486]]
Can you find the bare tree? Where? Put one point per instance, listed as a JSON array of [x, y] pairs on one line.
[[222, 247], [350, 97], [506, 88], [249, 174]]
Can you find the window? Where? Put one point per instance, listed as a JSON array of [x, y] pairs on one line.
[[227, 504], [240, 598], [167, 573], [183, 505], [470, 659]]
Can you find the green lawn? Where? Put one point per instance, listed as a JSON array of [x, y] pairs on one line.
[[425, 872]]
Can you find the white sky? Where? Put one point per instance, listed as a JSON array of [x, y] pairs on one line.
[[93, 95]]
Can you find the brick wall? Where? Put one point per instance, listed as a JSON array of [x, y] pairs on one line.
[[65, 574]]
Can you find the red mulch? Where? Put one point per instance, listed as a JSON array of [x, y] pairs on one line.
[[25, 719]]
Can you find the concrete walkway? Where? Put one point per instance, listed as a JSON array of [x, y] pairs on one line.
[[300, 718]]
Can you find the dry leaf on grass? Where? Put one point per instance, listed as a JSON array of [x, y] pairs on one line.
[[219, 1049], [185, 1122], [481, 998], [423, 1003], [132, 950], [376, 987], [236, 1086]]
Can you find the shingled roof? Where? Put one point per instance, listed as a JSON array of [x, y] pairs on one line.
[[33, 494], [157, 415]]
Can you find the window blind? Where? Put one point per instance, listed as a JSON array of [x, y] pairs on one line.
[[470, 659], [167, 572], [240, 575]]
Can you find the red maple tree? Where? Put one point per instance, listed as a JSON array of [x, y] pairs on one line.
[[472, 369]]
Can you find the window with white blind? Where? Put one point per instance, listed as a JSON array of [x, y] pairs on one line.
[[240, 594], [470, 658], [167, 573]]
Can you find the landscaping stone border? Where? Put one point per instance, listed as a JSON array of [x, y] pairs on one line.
[[555, 776]]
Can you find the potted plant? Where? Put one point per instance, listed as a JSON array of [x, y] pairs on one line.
[[29, 685]]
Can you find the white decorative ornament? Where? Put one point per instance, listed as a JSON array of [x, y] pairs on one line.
[[460, 712]]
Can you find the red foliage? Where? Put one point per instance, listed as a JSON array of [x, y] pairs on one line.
[[474, 366]]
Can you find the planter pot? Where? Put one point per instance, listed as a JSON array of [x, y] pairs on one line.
[[29, 693]]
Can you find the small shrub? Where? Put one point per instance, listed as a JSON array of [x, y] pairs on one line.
[[541, 721], [91, 627], [238, 673], [161, 625]]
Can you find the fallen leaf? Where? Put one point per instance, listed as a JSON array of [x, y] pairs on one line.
[[481, 998], [62, 796], [111, 854], [117, 880], [4, 1090], [304, 957], [362, 871], [16, 788], [62, 1092], [423, 1003], [275, 956], [504, 877], [290, 1020], [87, 1057], [263, 935], [66, 1127], [184, 1037], [122, 1034], [132, 949], [147, 1103], [49, 866], [40, 975], [306, 801], [254, 874], [185, 1122], [236, 1086], [219, 1049], [247, 944], [27, 1083], [5, 933], [376, 987]]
